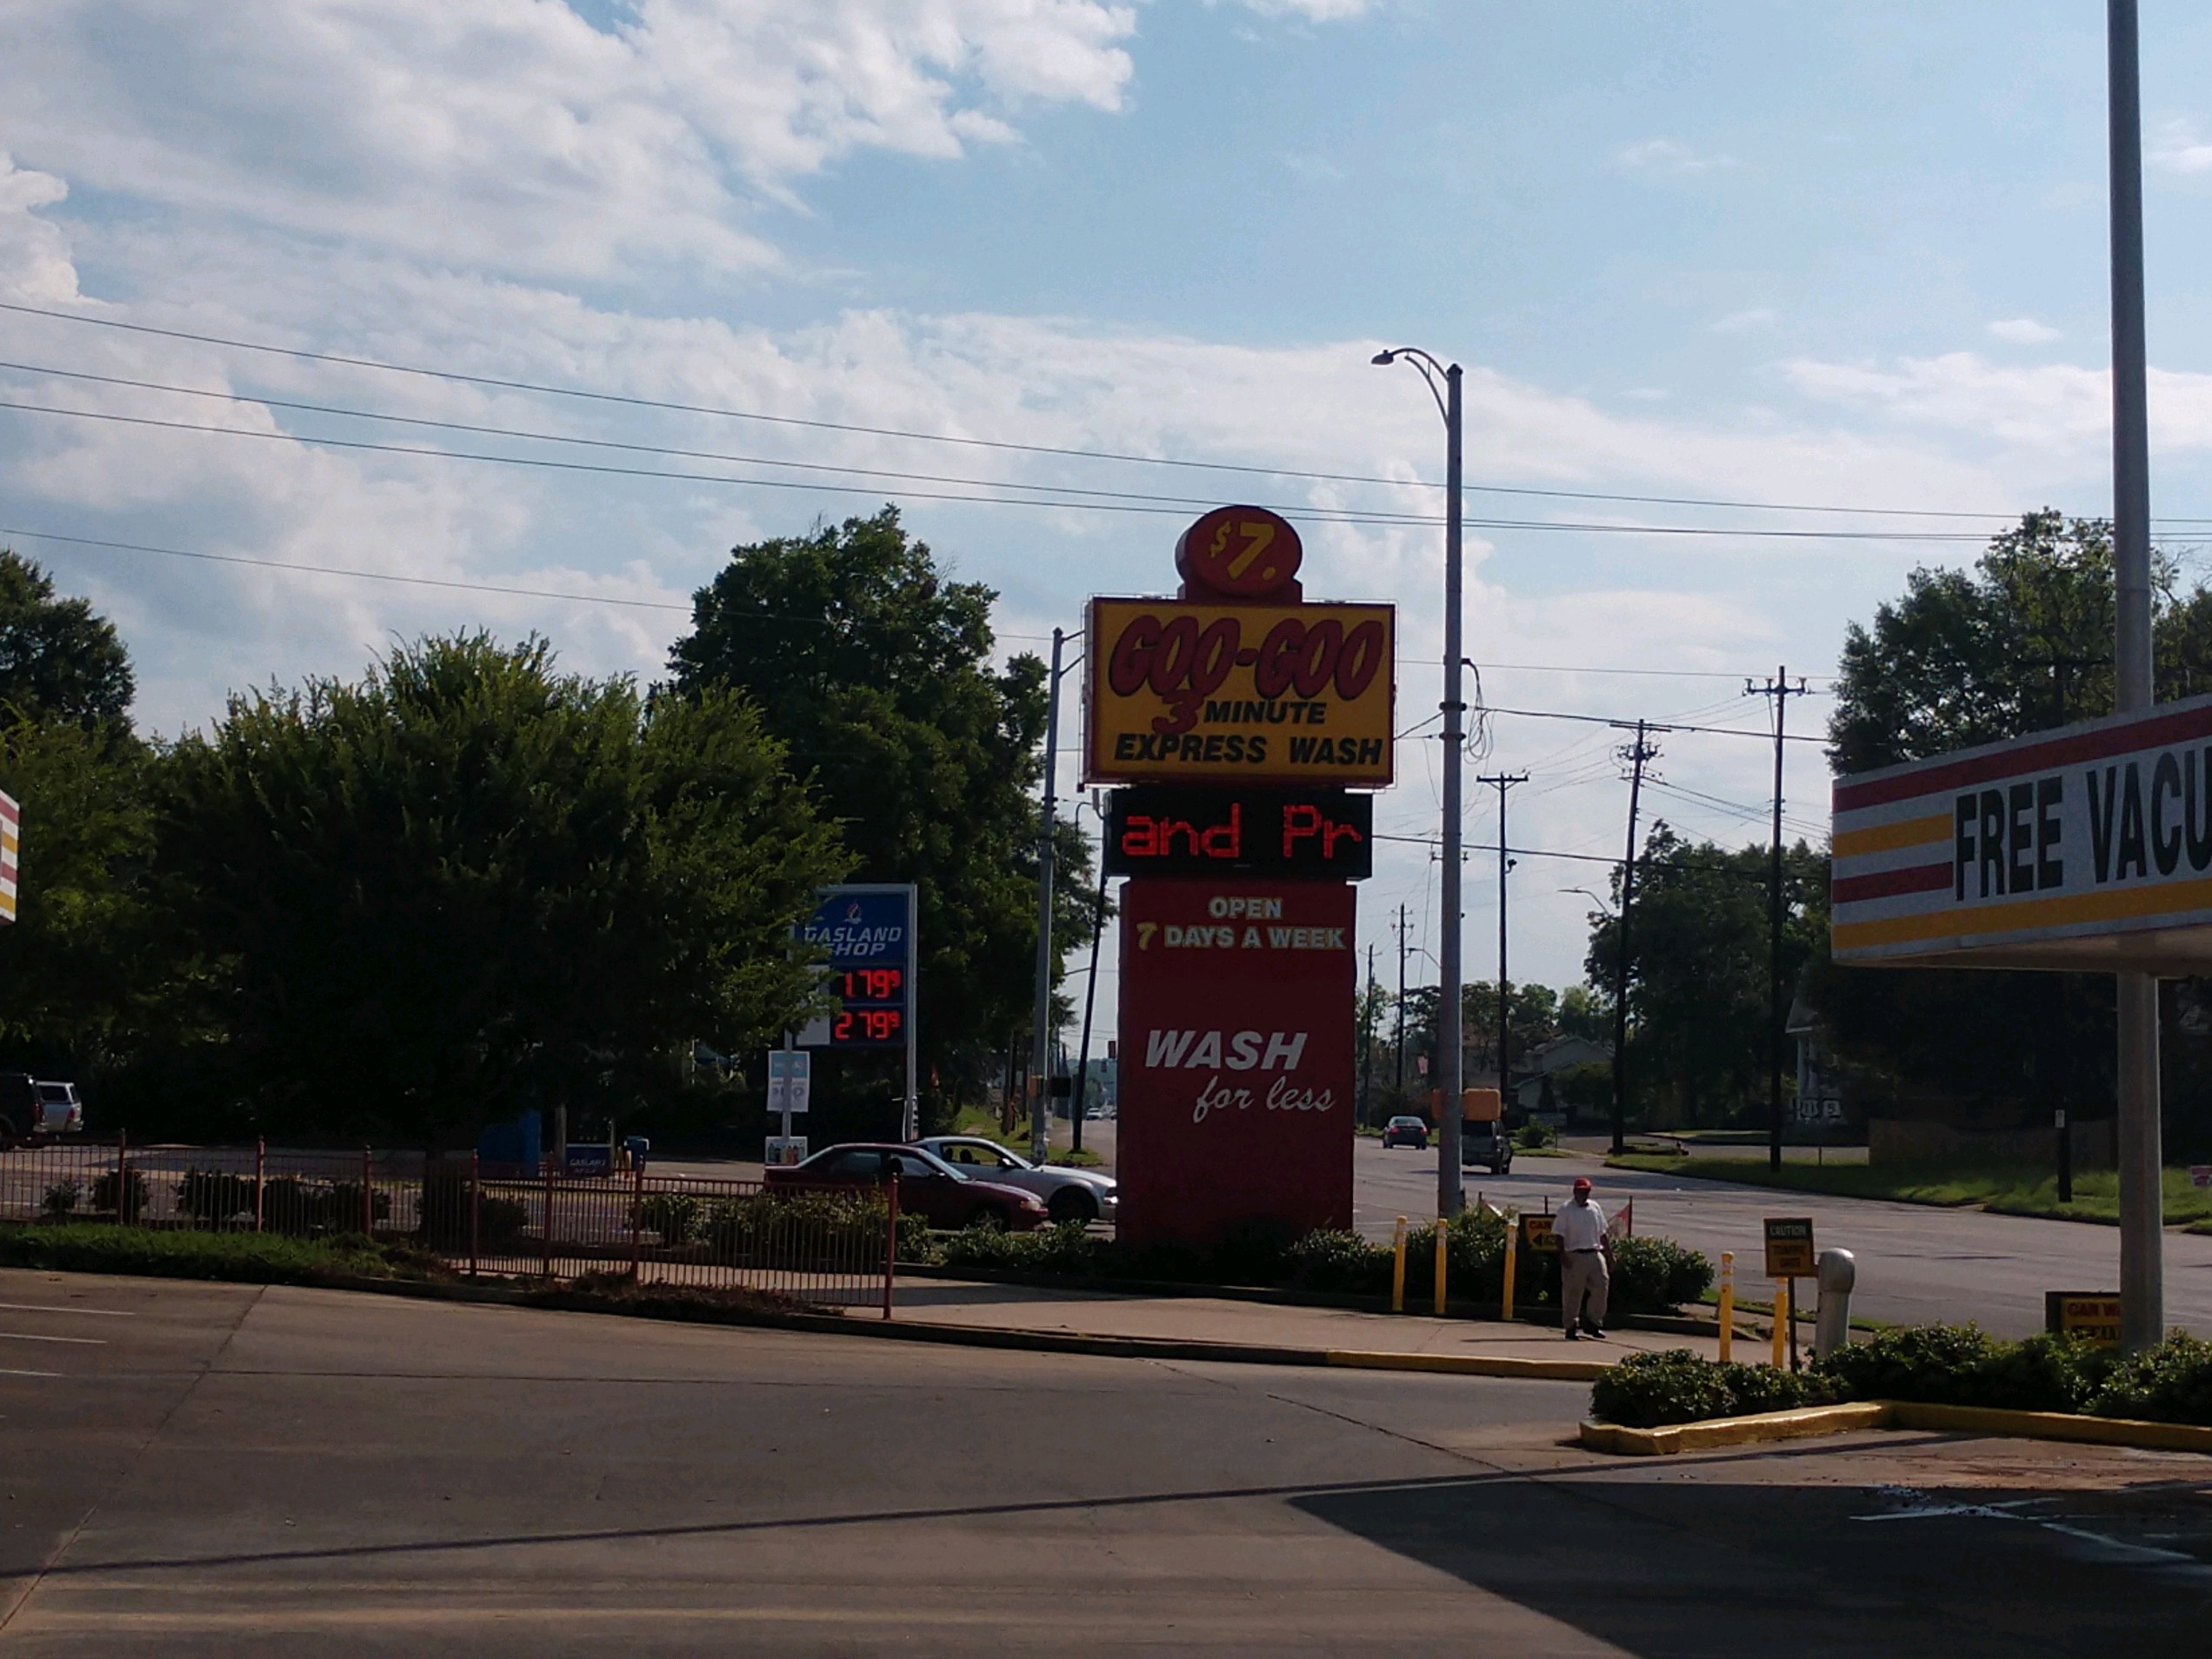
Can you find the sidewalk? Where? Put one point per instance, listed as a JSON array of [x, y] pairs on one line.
[[1220, 1320]]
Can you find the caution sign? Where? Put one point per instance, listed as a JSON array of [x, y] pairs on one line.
[[1790, 1248], [1266, 692], [2092, 1316]]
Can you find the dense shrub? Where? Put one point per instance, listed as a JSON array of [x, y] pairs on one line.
[[1964, 1365], [1645, 1391], [450, 1208], [2171, 1383], [1534, 1137], [215, 1195], [1342, 1263], [60, 1200], [1067, 1248], [1650, 1274], [674, 1215], [302, 1208], [105, 1190], [830, 1228]]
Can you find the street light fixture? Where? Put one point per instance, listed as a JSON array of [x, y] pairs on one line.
[[1450, 1191]]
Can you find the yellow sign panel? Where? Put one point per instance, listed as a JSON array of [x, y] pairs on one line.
[[1179, 692], [2089, 1317], [1790, 1248], [1537, 1231]]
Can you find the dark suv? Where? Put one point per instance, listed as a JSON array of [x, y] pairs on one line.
[[1486, 1144]]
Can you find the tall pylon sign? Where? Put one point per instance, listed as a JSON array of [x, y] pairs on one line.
[[1242, 720]]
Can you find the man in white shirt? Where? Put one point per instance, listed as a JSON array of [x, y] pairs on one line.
[[1585, 1257]]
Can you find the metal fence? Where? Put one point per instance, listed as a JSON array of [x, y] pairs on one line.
[[818, 1247]]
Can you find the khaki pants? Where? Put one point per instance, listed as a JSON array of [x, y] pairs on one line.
[[1583, 1273]]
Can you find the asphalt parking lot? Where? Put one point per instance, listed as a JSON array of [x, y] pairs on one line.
[[204, 1470]]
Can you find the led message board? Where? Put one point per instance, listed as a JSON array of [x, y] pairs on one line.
[[1200, 830]]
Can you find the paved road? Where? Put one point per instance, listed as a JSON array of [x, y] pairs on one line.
[[194, 1470], [1916, 1262]]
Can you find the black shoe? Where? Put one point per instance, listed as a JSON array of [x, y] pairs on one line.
[[1595, 1330], [1573, 1334]]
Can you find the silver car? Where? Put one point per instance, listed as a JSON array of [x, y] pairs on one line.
[[1069, 1195]]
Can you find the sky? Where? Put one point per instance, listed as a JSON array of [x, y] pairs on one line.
[[1768, 263]]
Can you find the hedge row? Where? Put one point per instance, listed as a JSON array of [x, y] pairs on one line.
[[1934, 1364], [1648, 1274]]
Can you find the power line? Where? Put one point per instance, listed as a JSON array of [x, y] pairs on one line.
[[415, 581], [1327, 515], [1570, 667], [544, 388], [1608, 720]]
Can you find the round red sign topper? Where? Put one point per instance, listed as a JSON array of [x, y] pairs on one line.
[[1239, 553]]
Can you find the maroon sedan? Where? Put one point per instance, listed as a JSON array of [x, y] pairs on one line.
[[927, 1186]]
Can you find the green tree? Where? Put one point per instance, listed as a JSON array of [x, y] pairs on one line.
[[58, 660], [876, 673], [1587, 1013], [1698, 971], [471, 883]]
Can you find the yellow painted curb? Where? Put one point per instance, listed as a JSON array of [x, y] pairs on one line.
[[2053, 1425], [1734, 1431], [1561, 1370], [1893, 1414]]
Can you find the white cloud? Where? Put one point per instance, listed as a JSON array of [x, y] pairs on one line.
[[1759, 316], [510, 133], [34, 265], [2179, 147], [1671, 155], [2024, 331]]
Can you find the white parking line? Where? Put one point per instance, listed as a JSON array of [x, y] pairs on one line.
[[4, 1371], [25, 1337], [41, 1306]]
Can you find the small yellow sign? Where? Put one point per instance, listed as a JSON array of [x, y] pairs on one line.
[[1537, 1235], [2092, 1316], [1790, 1248], [1181, 692]]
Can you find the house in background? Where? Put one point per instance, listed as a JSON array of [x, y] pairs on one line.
[[1541, 1066]]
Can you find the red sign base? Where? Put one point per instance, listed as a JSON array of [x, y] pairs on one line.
[[1237, 1010]]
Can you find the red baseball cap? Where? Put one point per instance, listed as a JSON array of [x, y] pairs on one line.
[[1581, 1183]]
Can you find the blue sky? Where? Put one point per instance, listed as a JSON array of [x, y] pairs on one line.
[[1767, 253]]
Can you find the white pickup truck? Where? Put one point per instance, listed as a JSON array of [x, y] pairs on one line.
[[33, 1110]]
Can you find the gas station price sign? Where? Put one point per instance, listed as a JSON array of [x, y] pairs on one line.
[[868, 933], [1194, 830]]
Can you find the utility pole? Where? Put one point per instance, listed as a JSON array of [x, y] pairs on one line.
[[2142, 1272], [1040, 1038], [1781, 691], [1637, 754], [1401, 957], [1367, 1040], [1503, 781], [1090, 1002]]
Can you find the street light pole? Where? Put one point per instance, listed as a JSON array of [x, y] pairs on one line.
[[1450, 1057], [2142, 1294], [1503, 781]]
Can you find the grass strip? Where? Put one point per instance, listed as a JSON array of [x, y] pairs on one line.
[[253, 1258], [2011, 1190]]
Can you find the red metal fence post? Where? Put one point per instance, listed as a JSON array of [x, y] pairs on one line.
[[636, 1217], [547, 1230], [261, 1176], [476, 1207], [368, 1194], [890, 1247], [122, 1177]]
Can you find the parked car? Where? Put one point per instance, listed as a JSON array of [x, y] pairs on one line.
[[1069, 1195], [1406, 1131], [1486, 1144], [927, 1186], [33, 1110]]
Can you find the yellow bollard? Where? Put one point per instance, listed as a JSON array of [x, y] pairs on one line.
[[1728, 1304], [1512, 1238], [1397, 1269], [1783, 1313], [1444, 1239]]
